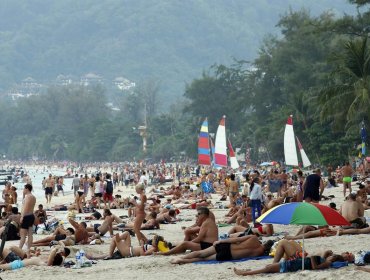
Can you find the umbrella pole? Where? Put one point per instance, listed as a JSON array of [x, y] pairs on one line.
[[303, 253]]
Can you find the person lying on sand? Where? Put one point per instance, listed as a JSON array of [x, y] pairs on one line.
[[324, 232], [124, 248], [14, 258], [229, 249], [293, 265], [312, 233], [60, 234], [208, 233], [167, 217], [195, 205], [354, 231], [15, 253], [262, 230], [150, 223]]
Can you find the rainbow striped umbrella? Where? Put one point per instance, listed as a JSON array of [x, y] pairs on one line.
[[303, 213]]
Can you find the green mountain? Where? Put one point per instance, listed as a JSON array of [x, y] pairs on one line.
[[170, 41]]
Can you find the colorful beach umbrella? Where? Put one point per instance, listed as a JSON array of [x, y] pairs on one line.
[[303, 213]]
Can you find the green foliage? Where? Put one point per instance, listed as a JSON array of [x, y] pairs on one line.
[[170, 41], [346, 98], [317, 70]]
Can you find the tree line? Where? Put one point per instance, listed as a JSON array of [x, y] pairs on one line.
[[317, 70]]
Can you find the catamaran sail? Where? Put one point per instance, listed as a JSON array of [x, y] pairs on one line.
[[290, 150], [233, 161], [306, 162], [204, 156], [220, 144]]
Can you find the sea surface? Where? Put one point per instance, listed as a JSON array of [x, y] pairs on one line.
[[37, 175]]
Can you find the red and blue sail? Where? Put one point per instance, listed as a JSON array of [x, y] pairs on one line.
[[204, 155]]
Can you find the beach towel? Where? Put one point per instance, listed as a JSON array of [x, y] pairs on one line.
[[280, 233], [239, 260], [339, 264], [223, 225]]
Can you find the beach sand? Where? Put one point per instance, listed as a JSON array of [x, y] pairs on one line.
[[159, 267]]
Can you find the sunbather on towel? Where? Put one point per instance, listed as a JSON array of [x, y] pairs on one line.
[[229, 249]]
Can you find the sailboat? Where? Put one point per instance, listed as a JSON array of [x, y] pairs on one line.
[[306, 162], [204, 156], [290, 149], [220, 145], [219, 150], [233, 161]]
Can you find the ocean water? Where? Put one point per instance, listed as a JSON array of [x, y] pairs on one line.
[[37, 175]]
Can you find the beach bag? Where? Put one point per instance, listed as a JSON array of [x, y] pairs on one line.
[[109, 187]]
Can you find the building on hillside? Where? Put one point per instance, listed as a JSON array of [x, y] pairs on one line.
[[123, 84], [64, 80], [91, 79], [27, 88]]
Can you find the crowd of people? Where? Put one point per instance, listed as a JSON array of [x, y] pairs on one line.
[[165, 190]]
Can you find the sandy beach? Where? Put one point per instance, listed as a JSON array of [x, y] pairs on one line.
[[159, 267]]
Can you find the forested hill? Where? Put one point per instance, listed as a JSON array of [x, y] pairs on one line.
[[168, 40]]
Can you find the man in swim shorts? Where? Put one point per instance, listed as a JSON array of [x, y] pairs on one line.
[[229, 249], [49, 188], [106, 226], [27, 218], [208, 234], [347, 173], [60, 234]]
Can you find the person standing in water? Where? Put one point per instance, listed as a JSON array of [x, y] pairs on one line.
[[49, 188]]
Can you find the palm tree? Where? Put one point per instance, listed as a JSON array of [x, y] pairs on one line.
[[346, 100]]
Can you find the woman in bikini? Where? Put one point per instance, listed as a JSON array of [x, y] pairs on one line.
[[124, 248], [140, 213], [80, 196]]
